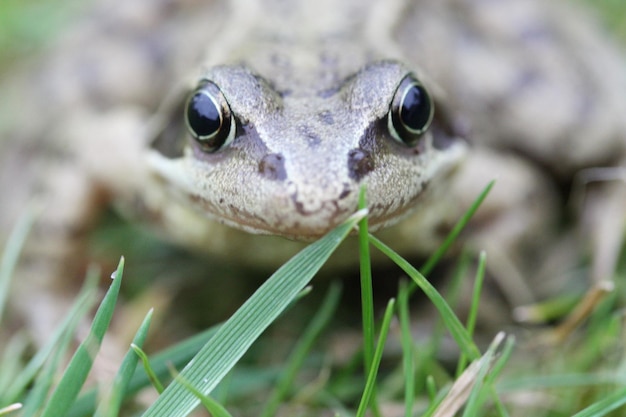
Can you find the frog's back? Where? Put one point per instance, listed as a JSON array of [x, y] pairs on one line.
[[539, 78]]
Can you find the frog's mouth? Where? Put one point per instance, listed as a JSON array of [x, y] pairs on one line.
[[286, 215], [300, 214]]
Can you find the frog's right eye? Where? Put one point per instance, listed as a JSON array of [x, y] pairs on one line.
[[209, 118]]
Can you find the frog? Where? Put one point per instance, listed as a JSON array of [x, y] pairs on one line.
[[244, 130]]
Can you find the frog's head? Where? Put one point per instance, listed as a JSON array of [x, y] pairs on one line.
[[291, 162]]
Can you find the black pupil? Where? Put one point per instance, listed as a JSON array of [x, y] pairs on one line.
[[415, 111], [204, 116]]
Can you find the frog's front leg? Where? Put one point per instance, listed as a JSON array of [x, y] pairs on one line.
[[516, 224], [530, 253], [71, 181]]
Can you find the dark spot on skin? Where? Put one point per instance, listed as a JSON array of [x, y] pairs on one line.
[[328, 67], [535, 32], [280, 60], [299, 206], [272, 86], [526, 78], [272, 167], [246, 217], [310, 135], [346, 192], [284, 93], [329, 92], [336, 216], [328, 60], [326, 117], [154, 50], [360, 163], [368, 141]]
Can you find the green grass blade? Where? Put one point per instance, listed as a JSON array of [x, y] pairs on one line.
[[212, 406], [215, 408], [467, 384], [12, 251], [58, 350], [558, 381], [59, 340], [478, 286], [496, 369], [604, 406], [370, 385], [452, 296], [473, 312], [455, 327], [235, 336], [407, 349], [11, 363], [80, 364], [431, 389], [177, 356], [111, 404], [473, 402], [152, 376], [367, 296], [456, 230], [297, 358]]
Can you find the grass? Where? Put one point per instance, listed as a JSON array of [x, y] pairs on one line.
[[27, 25], [612, 14], [578, 377]]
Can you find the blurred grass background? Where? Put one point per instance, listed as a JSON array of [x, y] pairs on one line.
[[26, 26], [613, 13]]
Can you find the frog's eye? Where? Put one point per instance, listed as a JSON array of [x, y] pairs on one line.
[[411, 111], [209, 118]]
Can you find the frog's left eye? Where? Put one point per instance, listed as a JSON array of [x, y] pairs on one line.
[[411, 111], [209, 118]]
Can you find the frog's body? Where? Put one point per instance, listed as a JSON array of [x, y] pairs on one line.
[[310, 86]]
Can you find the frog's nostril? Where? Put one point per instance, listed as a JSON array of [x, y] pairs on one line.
[[360, 163], [272, 167], [346, 191]]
